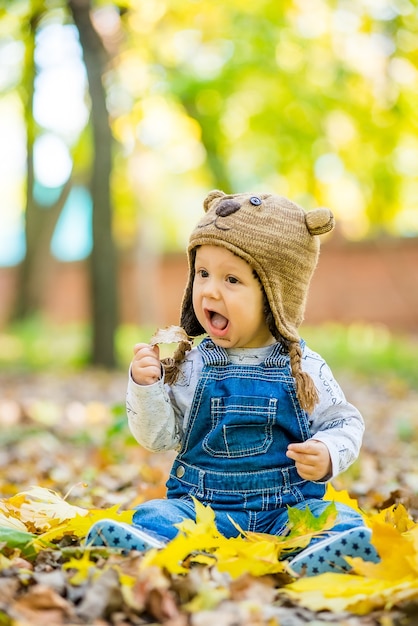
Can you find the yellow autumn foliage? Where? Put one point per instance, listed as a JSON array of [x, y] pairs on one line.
[[369, 586], [39, 509], [251, 553], [45, 513]]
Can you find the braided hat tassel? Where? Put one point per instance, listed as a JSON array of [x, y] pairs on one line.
[[305, 388]]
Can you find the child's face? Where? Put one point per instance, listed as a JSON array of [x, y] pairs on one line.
[[228, 300]]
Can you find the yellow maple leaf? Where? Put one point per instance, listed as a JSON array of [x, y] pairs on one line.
[[173, 556], [84, 568], [370, 585], [80, 525], [397, 516], [356, 594], [238, 556], [200, 542], [40, 509], [334, 495], [204, 524]]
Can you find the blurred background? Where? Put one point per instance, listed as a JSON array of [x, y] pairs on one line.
[[116, 119]]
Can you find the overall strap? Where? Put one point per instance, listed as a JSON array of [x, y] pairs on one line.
[[279, 357], [212, 354]]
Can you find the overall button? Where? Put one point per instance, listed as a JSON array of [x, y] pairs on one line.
[[180, 471], [210, 345]]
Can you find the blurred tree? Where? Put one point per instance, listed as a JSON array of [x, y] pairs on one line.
[[41, 220], [103, 256], [314, 99], [39, 223]]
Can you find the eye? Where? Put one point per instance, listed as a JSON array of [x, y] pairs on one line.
[[232, 280], [202, 273], [255, 200]]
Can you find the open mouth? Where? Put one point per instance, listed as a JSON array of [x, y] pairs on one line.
[[217, 322]]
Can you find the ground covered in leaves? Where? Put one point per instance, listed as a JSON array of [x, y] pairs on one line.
[[67, 433]]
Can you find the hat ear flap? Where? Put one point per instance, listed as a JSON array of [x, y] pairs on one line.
[[212, 195], [188, 319], [319, 221]]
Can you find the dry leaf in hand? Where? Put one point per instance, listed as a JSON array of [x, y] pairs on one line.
[[170, 334]]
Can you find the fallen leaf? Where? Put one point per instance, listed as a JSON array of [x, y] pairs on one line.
[[369, 586], [249, 553], [80, 525], [84, 568], [342, 496], [39, 509], [41, 605], [11, 522], [170, 334], [356, 594], [103, 597], [20, 540]]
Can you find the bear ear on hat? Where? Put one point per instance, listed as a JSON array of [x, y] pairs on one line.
[[319, 221], [212, 195]]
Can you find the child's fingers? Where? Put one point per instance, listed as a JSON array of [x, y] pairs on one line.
[[305, 459], [309, 447], [146, 365], [308, 452], [144, 349], [311, 458], [312, 447]]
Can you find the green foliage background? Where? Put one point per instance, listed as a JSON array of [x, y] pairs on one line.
[[314, 99]]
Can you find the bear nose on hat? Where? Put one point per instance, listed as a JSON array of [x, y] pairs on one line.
[[227, 207]]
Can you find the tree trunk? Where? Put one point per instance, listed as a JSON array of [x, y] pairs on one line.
[[103, 257], [40, 221]]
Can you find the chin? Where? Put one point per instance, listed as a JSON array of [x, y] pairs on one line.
[[220, 341]]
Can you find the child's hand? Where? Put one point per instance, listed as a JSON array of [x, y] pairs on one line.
[[312, 459], [146, 366]]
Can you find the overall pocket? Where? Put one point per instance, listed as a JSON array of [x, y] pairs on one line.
[[240, 426]]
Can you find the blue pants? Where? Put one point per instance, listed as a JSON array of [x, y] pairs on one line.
[[158, 518]]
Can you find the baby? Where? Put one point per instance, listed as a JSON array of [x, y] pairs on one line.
[[257, 419]]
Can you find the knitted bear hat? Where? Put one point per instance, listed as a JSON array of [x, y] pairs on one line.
[[279, 240]]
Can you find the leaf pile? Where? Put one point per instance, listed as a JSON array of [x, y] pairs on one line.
[[73, 440]]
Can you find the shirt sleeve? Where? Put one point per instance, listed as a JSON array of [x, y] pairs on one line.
[[152, 418], [334, 421], [158, 413]]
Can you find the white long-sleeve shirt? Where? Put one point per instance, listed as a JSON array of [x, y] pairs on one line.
[[158, 414]]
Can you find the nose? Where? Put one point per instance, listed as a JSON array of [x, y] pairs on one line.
[[210, 289]]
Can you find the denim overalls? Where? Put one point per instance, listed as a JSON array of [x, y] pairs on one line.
[[233, 456]]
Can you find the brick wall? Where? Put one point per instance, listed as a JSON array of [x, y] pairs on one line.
[[374, 282]]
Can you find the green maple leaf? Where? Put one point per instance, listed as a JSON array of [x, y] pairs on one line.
[[302, 521], [18, 539]]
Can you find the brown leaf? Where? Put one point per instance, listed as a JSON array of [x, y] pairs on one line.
[[162, 605], [8, 588], [170, 334], [41, 605], [103, 596], [248, 587]]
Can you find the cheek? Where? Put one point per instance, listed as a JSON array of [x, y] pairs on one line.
[[195, 296]]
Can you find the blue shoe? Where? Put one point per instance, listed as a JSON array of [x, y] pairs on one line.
[[328, 555], [112, 534]]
